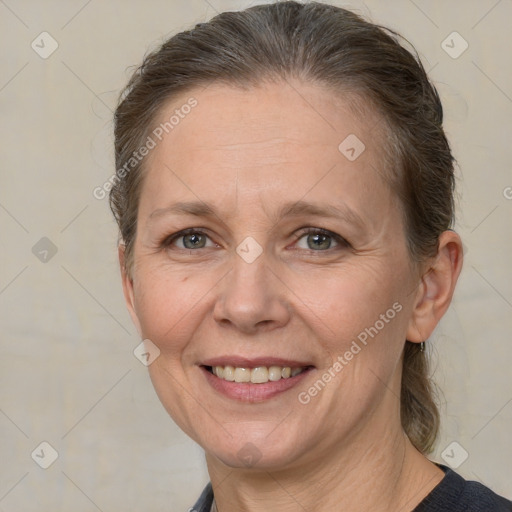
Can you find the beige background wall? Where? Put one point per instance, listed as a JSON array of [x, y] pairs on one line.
[[67, 372]]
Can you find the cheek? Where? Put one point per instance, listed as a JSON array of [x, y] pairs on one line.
[[360, 317], [347, 300], [170, 303], [360, 320]]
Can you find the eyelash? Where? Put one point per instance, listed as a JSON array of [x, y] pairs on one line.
[[342, 243]]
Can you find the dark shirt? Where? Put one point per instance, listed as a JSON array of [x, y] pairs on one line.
[[452, 494]]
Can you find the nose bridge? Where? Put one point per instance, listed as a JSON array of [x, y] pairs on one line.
[[248, 277], [249, 288], [251, 296]]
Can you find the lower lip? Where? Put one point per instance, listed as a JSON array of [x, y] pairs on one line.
[[249, 392]]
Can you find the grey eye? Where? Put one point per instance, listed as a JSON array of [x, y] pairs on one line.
[[316, 241], [193, 241]]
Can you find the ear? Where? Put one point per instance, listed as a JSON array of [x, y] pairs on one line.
[[436, 287], [127, 282]]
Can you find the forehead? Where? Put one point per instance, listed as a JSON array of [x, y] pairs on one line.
[[288, 137], [288, 112]]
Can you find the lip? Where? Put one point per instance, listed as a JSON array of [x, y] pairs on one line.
[[248, 391], [243, 362]]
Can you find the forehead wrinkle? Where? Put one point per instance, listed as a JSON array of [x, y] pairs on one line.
[[289, 209], [241, 141]]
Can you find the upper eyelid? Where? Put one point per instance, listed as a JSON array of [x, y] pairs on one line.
[[310, 230], [184, 232]]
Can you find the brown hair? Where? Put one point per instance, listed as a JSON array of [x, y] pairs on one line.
[[327, 45]]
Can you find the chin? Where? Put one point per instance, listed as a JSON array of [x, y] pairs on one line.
[[253, 457], [271, 450]]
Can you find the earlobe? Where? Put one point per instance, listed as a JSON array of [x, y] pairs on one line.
[[128, 290], [435, 291]]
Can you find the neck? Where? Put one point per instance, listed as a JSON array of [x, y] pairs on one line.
[[383, 475]]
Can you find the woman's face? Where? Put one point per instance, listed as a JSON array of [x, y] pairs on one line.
[[266, 247]]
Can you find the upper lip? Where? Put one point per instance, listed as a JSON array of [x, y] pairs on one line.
[[253, 362]]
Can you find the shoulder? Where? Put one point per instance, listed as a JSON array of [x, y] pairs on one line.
[[452, 494], [455, 494], [204, 503]]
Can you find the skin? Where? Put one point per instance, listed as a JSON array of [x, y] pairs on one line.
[[247, 153]]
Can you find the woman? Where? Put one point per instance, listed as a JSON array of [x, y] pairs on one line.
[[284, 195]]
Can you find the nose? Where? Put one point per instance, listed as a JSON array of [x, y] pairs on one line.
[[252, 298]]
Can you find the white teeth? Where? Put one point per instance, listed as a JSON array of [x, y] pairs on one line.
[[242, 375], [229, 373], [274, 373], [258, 375]]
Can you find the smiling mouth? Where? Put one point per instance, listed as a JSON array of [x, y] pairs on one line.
[[256, 375]]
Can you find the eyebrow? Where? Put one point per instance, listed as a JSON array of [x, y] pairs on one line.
[[343, 211], [196, 208], [290, 209]]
